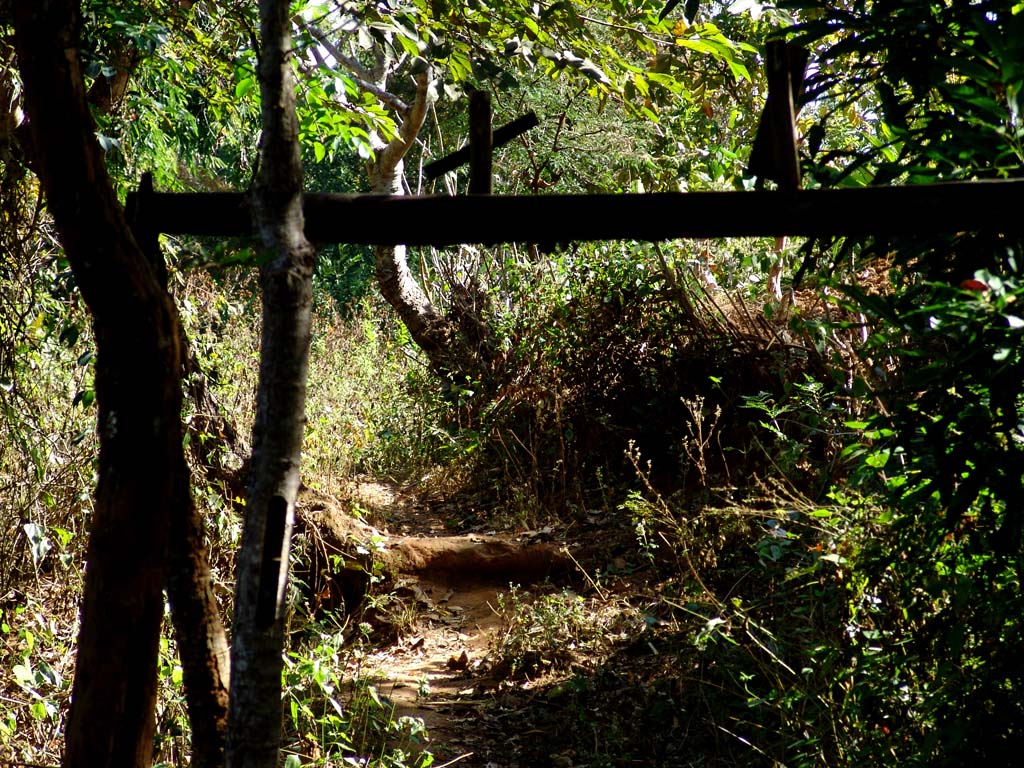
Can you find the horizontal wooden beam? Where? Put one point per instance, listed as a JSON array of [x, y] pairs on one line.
[[991, 206]]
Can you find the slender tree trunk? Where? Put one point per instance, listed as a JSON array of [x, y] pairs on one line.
[[138, 388], [426, 325], [437, 335], [202, 642], [429, 328], [254, 728]]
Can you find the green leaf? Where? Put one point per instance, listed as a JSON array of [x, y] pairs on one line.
[[23, 674], [739, 70], [85, 398], [460, 66], [244, 86], [69, 335], [877, 459], [374, 696], [410, 46]]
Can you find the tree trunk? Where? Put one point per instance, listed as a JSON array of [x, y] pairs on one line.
[[202, 642], [254, 728], [138, 389], [454, 356], [429, 328]]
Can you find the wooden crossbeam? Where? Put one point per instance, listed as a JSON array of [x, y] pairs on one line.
[[991, 206], [502, 136]]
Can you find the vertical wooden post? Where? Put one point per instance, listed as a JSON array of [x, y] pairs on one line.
[[782, 117], [480, 143], [139, 211], [780, 100]]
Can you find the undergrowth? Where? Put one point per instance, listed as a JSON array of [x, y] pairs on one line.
[[336, 711], [556, 632]]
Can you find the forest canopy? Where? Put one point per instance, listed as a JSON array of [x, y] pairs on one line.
[[688, 502]]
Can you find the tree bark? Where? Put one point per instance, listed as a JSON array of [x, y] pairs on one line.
[[107, 91], [138, 392], [254, 722], [202, 642], [429, 328]]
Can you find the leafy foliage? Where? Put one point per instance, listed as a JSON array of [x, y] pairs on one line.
[[554, 632], [871, 616], [943, 84], [346, 719], [942, 576]]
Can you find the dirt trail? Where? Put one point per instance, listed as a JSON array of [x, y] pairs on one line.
[[435, 675], [439, 672]]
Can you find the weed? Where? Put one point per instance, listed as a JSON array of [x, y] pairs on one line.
[[701, 429], [173, 728], [368, 408], [331, 720], [557, 632], [38, 688]]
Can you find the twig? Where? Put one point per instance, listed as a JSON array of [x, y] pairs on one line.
[[749, 743], [455, 760], [362, 77], [594, 584]]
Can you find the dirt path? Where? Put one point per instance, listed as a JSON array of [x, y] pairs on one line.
[[439, 672], [435, 674]]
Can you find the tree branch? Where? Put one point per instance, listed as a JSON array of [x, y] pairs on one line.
[[392, 154], [362, 77]]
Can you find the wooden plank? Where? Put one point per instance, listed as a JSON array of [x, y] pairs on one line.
[[501, 137], [764, 162], [481, 149], [781, 114], [991, 206]]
